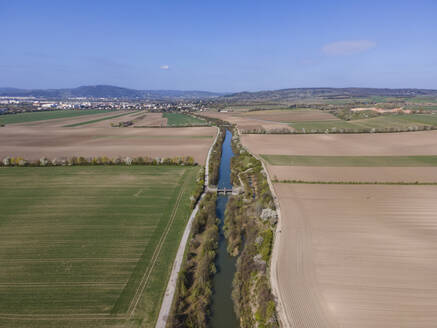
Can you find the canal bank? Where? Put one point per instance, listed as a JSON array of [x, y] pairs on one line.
[[222, 307], [169, 297], [224, 278]]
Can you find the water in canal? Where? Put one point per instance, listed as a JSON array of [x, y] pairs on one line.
[[223, 315]]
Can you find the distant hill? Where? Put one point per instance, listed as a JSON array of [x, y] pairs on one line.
[[283, 95], [108, 91], [323, 93]]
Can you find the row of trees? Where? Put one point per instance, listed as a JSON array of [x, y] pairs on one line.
[[198, 189], [335, 130], [100, 160], [194, 290]]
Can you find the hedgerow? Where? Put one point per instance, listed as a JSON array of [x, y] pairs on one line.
[[100, 160]]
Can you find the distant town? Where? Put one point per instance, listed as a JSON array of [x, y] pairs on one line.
[[13, 105]]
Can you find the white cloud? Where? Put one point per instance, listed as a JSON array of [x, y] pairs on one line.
[[348, 47], [164, 67]]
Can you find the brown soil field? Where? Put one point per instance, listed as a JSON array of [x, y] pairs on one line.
[[60, 122], [411, 143], [152, 119], [417, 143], [32, 142], [290, 115], [247, 123], [354, 174], [360, 256], [107, 123]]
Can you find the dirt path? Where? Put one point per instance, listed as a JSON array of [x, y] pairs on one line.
[[172, 282]]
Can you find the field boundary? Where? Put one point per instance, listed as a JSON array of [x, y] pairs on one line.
[[400, 183], [272, 131], [170, 291], [351, 161], [273, 275]]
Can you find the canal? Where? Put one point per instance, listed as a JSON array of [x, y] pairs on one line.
[[222, 314]]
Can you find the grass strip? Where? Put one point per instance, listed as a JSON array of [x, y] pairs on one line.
[[357, 182], [354, 161]]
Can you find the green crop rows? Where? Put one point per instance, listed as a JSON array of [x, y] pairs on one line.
[[177, 119], [359, 161], [379, 123], [89, 246], [48, 115]]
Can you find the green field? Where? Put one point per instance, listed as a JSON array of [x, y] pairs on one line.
[[89, 246], [423, 100], [178, 119], [359, 161], [322, 125], [97, 120], [401, 121], [42, 116]]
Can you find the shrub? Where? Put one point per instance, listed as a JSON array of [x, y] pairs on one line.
[[43, 161], [127, 160], [6, 161]]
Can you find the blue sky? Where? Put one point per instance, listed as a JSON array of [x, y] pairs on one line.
[[218, 45]]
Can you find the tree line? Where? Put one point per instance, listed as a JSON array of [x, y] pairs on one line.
[[99, 160], [191, 307]]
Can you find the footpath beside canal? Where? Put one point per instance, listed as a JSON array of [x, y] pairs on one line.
[[172, 283]]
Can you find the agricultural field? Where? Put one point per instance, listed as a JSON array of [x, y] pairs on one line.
[[357, 256], [152, 119], [421, 100], [317, 121], [244, 123], [48, 115], [178, 119], [89, 246], [290, 115], [382, 158], [98, 120], [307, 126], [354, 244], [34, 142], [351, 174], [62, 122], [383, 122], [379, 144], [254, 107], [353, 161]]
